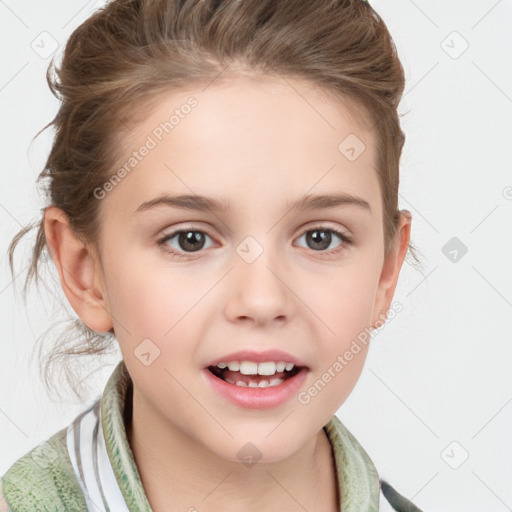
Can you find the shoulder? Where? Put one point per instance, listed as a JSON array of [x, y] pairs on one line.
[[42, 477]]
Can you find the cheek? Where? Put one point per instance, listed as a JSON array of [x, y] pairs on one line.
[[344, 300], [159, 304], [153, 312], [345, 305], [149, 299]]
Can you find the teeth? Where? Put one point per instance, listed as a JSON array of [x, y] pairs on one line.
[[248, 368], [264, 383], [280, 366], [253, 368], [266, 368]]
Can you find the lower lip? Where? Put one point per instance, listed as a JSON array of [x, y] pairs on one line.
[[257, 398]]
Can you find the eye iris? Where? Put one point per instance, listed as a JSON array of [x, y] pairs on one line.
[[190, 239], [324, 240]]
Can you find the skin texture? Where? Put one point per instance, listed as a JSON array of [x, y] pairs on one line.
[[258, 145]]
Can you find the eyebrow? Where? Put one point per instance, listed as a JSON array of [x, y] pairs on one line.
[[203, 203]]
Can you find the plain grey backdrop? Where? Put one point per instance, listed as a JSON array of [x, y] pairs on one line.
[[433, 404]]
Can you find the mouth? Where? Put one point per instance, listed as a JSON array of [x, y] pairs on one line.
[[254, 375], [254, 380]]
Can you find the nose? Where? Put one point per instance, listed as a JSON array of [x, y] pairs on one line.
[[258, 292]]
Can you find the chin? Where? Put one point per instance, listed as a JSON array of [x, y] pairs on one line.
[[249, 450]]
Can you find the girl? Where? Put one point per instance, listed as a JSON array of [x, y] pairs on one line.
[[265, 134]]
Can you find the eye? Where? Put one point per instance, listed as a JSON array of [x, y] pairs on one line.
[[188, 241], [321, 237]]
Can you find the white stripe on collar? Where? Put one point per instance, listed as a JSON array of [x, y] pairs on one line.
[[91, 464]]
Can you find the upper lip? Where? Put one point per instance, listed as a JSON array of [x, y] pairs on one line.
[[259, 357]]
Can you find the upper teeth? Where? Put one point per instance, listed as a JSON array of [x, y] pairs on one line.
[[253, 368]]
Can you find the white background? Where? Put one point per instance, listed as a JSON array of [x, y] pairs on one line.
[[436, 386]]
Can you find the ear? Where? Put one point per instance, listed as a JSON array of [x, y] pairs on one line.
[[391, 268], [79, 271]]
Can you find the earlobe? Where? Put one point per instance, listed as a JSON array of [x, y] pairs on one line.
[[78, 271], [391, 269]]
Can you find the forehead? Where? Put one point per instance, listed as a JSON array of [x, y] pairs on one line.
[[266, 104], [276, 134]]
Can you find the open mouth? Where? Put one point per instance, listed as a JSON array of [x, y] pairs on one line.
[[254, 381]]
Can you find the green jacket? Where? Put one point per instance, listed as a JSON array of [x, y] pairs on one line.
[[89, 465]]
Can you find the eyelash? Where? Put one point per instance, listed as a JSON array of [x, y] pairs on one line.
[[166, 237]]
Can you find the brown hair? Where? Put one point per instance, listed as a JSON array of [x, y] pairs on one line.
[[119, 60]]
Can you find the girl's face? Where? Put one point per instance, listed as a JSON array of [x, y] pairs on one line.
[[260, 274]]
